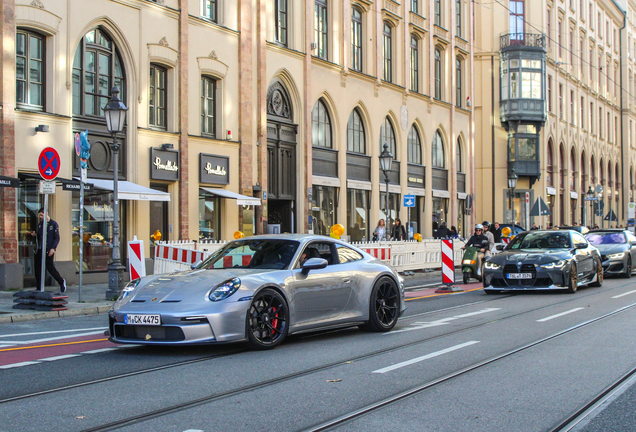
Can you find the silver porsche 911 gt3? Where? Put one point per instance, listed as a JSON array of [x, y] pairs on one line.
[[261, 289]]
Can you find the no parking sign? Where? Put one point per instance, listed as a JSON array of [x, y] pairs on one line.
[[49, 163]]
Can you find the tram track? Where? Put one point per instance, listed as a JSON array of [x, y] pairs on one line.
[[259, 385]]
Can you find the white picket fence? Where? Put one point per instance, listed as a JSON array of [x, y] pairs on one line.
[[403, 256]]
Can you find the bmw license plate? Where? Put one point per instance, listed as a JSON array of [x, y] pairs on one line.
[[519, 275], [136, 319]]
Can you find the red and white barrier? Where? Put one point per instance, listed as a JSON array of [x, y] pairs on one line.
[[169, 258], [448, 265], [136, 259], [381, 253]]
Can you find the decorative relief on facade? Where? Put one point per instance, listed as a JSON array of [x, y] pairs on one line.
[[404, 117], [343, 78], [278, 103], [38, 4], [213, 55], [164, 42]]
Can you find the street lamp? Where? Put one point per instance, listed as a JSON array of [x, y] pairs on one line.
[[386, 159], [115, 113], [512, 184], [590, 195]]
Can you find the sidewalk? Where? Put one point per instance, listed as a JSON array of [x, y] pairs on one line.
[[93, 301]]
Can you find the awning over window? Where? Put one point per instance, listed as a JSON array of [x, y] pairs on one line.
[[240, 199], [130, 191]]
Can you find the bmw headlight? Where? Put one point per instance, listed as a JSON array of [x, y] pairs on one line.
[[128, 289], [224, 290], [553, 265], [619, 255], [491, 266]]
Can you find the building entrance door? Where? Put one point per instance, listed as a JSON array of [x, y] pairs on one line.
[[158, 218]]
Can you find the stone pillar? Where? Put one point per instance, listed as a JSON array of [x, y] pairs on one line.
[[246, 99], [10, 269], [261, 92], [184, 224], [303, 210]]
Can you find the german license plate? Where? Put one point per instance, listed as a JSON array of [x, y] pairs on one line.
[[136, 319], [519, 275]]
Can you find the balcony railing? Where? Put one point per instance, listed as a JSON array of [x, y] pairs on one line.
[[528, 40]]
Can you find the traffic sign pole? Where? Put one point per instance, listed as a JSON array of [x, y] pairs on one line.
[[44, 251]]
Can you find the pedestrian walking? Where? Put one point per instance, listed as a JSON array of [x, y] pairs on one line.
[[398, 232], [52, 240], [379, 231]]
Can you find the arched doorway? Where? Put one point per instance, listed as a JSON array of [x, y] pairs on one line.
[[281, 160]]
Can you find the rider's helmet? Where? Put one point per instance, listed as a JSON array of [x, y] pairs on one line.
[[486, 224], [479, 226]]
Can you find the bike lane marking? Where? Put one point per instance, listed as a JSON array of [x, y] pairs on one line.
[[560, 314], [424, 357], [624, 294], [419, 325]]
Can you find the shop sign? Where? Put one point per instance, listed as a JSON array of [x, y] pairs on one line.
[[214, 169], [164, 164], [75, 186]]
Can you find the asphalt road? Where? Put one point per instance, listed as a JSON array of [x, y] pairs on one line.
[[469, 361]]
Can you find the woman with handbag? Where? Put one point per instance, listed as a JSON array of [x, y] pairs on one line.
[[380, 231], [398, 232]]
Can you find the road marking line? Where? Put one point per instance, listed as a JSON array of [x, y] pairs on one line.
[[424, 324], [60, 357], [425, 357], [26, 363], [99, 350], [624, 294], [52, 345], [437, 295], [52, 338], [559, 315], [55, 331]]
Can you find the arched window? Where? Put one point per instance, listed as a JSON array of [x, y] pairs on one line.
[[600, 174], [414, 146], [387, 136], [320, 126], [458, 77], [438, 74], [437, 150], [459, 156], [609, 174], [356, 141], [617, 181], [387, 37], [583, 173], [572, 170], [97, 68], [415, 79], [356, 39], [561, 167], [550, 164]]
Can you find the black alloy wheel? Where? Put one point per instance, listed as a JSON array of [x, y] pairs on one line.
[[267, 320], [573, 280], [384, 306], [628, 270], [599, 275]]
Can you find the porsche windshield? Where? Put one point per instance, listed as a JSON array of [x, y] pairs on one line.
[[603, 238], [541, 240], [253, 254]]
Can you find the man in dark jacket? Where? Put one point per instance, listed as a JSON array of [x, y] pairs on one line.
[[479, 240], [496, 232], [443, 232], [52, 240]]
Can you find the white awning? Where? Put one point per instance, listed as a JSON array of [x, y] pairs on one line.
[[130, 191], [240, 199]]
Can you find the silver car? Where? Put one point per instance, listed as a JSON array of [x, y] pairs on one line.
[[261, 289], [617, 248]]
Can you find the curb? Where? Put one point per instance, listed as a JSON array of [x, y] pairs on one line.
[[94, 310]]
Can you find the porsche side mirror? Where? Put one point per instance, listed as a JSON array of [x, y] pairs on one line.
[[580, 246], [195, 265], [314, 264]]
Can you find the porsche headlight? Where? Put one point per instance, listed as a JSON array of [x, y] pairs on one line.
[[553, 265], [224, 290], [128, 289], [619, 255], [491, 266]]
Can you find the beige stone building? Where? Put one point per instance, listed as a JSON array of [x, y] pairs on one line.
[[554, 96], [250, 115]]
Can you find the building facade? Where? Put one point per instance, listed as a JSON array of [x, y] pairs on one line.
[[555, 84], [256, 116]]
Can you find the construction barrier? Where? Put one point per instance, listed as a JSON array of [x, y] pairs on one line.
[[136, 259]]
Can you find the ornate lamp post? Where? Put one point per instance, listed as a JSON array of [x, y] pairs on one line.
[[115, 113], [590, 195], [512, 184], [386, 159]]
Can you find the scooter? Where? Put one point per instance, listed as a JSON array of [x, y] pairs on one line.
[[469, 264]]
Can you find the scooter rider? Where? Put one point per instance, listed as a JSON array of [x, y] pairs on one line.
[[480, 241]]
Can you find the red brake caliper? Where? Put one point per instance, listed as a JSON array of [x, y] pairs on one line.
[[274, 321]]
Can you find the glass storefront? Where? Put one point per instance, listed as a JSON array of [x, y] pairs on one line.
[[414, 220], [358, 223], [324, 207], [461, 218], [393, 211], [98, 229], [29, 202], [440, 213], [209, 216]]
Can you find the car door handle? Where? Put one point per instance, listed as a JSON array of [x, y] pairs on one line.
[[346, 280]]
